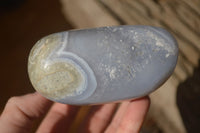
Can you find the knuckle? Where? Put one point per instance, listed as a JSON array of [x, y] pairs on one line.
[[12, 101]]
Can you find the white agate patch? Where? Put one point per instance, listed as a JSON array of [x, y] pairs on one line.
[[58, 74]]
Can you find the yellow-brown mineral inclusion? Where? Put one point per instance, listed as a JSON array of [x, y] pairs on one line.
[[51, 77]]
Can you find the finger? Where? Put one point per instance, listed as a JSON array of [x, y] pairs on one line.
[[117, 118], [58, 119], [134, 116], [20, 111], [82, 113], [98, 118]]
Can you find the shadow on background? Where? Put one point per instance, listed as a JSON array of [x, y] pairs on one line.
[[21, 25], [188, 101]]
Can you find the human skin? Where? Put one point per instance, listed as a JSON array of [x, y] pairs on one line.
[[20, 112]]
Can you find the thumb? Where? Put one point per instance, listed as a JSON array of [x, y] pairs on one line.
[[20, 111]]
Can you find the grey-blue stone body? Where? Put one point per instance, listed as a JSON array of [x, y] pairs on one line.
[[128, 62]]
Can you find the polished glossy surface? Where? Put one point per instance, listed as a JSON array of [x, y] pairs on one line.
[[101, 65]]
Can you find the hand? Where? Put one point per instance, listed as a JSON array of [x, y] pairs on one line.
[[20, 112]]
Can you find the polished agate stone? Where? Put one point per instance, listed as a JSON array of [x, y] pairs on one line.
[[102, 65]]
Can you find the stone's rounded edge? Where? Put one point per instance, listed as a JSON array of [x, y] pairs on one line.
[[163, 32], [167, 36], [173, 53], [36, 59], [172, 43]]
